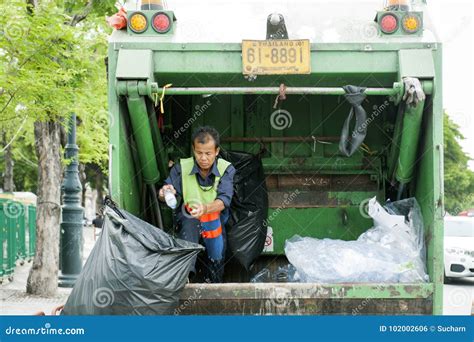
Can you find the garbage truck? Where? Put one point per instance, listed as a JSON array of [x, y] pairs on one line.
[[279, 77]]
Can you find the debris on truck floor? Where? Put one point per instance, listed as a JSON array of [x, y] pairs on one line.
[[284, 274], [392, 251]]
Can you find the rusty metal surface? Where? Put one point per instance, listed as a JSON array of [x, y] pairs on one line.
[[307, 290], [321, 182], [279, 139], [305, 299]]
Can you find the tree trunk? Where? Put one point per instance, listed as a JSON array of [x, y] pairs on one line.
[[8, 184], [43, 277]]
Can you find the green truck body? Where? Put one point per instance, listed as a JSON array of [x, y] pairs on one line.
[[201, 57]]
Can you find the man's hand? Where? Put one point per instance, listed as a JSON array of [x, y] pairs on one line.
[[161, 193], [198, 210]]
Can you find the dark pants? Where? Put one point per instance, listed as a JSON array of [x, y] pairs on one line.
[[189, 229]]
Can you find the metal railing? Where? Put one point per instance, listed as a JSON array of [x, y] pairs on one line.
[[17, 235]]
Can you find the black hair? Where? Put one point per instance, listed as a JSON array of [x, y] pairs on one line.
[[202, 134]]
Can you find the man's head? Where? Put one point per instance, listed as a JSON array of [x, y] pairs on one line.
[[205, 146]]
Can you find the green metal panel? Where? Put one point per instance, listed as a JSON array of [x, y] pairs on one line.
[[21, 232], [343, 222], [123, 177], [11, 240], [416, 63], [134, 64], [429, 185], [3, 237], [142, 135], [31, 230], [409, 142]]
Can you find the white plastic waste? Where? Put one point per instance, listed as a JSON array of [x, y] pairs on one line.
[[170, 199], [392, 251]]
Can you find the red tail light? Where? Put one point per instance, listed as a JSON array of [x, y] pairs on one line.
[[388, 23], [161, 22]]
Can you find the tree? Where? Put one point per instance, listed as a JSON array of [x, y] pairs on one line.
[[52, 66], [458, 178], [8, 183]]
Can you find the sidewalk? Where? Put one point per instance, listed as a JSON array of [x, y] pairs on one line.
[[13, 297]]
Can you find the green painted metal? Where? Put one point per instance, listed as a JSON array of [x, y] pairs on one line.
[[72, 214], [123, 173], [11, 238], [20, 233], [31, 230], [15, 220], [429, 185], [309, 291], [396, 90], [409, 142], [3, 237], [343, 222], [209, 88], [417, 63], [140, 68], [142, 134]]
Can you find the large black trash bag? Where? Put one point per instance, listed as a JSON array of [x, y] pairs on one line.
[[246, 229], [134, 269]]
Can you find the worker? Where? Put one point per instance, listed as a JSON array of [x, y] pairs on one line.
[[204, 182]]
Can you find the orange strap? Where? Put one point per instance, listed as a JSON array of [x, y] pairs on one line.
[[211, 234]]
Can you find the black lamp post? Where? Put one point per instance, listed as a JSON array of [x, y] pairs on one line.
[[72, 214]]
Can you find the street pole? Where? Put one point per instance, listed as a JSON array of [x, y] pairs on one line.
[[72, 214]]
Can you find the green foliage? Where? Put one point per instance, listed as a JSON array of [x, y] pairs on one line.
[[458, 178], [49, 69]]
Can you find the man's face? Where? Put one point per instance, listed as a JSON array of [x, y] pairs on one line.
[[205, 154]]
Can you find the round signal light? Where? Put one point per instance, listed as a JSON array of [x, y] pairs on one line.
[[138, 22], [411, 23], [161, 22], [388, 23]]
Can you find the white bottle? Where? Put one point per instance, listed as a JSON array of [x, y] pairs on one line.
[[170, 199]]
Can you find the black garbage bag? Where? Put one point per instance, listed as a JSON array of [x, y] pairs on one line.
[[133, 269], [246, 230]]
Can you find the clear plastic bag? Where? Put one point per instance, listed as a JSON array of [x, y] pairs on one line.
[[284, 274], [392, 251]]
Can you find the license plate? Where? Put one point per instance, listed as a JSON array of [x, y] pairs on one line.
[[276, 57]]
